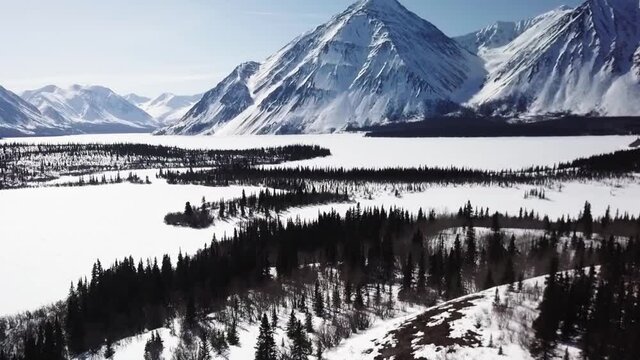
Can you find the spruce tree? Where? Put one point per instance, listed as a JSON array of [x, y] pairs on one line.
[[266, 346], [546, 325], [407, 274], [318, 302], [232, 334]]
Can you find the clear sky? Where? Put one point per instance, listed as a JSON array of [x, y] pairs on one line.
[[185, 46]]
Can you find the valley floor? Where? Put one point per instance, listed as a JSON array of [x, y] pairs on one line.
[[64, 230]]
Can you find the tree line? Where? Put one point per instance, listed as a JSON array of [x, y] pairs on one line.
[[598, 310], [266, 202], [370, 248], [21, 164], [596, 167]]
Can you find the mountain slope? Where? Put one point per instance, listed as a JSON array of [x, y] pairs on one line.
[[93, 109], [136, 100], [376, 62], [218, 105], [502, 33], [19, 118], [168, 108], [580, 61]]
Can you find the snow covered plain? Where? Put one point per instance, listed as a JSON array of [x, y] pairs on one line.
[[52, 236], [355, 150]]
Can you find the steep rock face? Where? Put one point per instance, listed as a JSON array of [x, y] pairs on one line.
[[581, 61], [89, 109], [218, 105], [374, 63]]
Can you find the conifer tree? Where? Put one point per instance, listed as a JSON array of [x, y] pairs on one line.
[[232, 334], [318, 301], [266, 346], [407, 274]]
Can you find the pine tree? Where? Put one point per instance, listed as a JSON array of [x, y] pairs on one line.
[[188, 210], [546, 325], [422, 276], [274, 318], [301, 347], [319, 350], [318, 303], [291, 324], [587, 220], [108, 351], [232, 334], [154, 347], [335, 297], [407, 274], [308, 322], [470, 244], [266, 346]]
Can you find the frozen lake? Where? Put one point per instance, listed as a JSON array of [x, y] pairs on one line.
[[52, 236], [355, 150]]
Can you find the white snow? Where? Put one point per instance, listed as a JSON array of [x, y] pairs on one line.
[[169, 108], [571, 60], [81, 109], [355, 150], [371, 64], [52, 236]]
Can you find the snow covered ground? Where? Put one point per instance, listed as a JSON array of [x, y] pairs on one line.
[[355, 150], [471, 327], [52, 236]]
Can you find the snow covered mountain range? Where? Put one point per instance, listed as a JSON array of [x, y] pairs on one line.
[[89, 109], [585, 60], [52, 110], [167, 108], [377, 62], [19, 118]]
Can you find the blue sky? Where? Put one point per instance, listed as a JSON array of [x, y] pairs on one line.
[[185, 46]]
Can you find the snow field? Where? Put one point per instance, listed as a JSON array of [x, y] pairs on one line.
[[355, 150]]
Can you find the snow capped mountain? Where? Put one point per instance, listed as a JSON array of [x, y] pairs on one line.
[[376, 62], [92, 109], [136, 100], [218, 105], [580, 61], [168, 108], [19, 118], [501, 33]]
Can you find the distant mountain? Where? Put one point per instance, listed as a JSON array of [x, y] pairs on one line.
[[218, 105], [581, 61], [502, 33], [168, 108], [136, 100], [19, 118], [89, 109], [376, 62]]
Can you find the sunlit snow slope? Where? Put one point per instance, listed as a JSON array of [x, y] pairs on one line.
[[376, 62], [585, 60], [89, 109], [19, 118]]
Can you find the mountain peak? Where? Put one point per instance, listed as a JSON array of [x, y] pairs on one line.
[[375, 62], [379, 4]]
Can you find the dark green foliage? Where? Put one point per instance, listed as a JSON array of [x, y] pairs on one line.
[[21, 164], [154, 347], [266, 346]]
